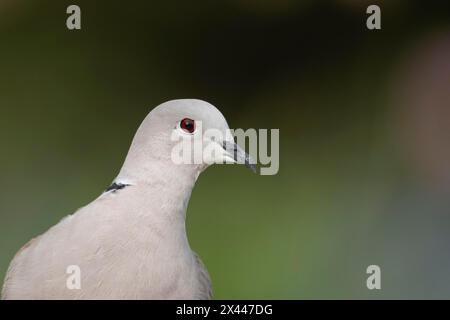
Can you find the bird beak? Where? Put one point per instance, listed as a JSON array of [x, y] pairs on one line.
[[239, 155]]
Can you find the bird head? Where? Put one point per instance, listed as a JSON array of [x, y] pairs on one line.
[[186, 132]]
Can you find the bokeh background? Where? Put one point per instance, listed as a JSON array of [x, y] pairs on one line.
[[364, 119]]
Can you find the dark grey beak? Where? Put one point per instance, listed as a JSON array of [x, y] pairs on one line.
[[239, 155]]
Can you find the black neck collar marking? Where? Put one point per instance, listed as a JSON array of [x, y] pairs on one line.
[[116, 186]]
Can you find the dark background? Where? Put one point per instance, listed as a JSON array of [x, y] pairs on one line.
[[364, 119]]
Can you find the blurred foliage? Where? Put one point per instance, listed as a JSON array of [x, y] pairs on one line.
[[345, 196]]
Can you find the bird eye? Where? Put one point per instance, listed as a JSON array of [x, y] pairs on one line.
[[188, 125]]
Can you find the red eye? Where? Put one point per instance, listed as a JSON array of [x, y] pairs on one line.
[[188, 125]]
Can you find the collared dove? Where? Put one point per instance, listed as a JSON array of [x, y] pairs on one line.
[[131, 242]]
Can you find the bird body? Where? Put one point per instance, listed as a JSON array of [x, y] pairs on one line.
[[131, 242]]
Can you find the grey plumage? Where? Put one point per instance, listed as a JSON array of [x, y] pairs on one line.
[[129, 243]]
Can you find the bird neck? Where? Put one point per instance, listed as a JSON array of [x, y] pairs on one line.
[[164, 186]]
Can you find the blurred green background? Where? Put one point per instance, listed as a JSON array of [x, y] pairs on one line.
[[364, 119]]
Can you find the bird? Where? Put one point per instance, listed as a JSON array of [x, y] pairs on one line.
[[131, 241]]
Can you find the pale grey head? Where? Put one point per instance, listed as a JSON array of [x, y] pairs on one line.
[[189, 119]]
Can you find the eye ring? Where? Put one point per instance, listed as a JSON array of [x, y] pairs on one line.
[[187, 125]]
